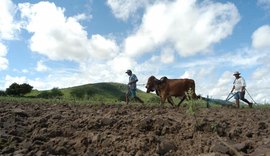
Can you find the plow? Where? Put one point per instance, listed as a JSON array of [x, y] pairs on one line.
[[225, 102]]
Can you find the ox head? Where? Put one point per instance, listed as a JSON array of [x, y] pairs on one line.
[[151, 84]]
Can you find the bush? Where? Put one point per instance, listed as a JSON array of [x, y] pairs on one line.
[[3, 93], [16, 89], [82, 93], [25, 88], [44, 94], [54, 93], [77, 93]]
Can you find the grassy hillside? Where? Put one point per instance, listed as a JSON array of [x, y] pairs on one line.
[[102, 92]]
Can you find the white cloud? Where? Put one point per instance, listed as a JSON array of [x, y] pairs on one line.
[[41, 67], [82, 17], [261, 37], [62, 38], [121, 63], [167, 56], [8, 27], [3, 63], [222, 87], [258, 86], [58, 78], [110, 71], [241, 58], [260, 73], [264, 3], [3, 50], [183, 24], [103, 48], [187, 74], [3, 60], [25, 71], [123, 9]]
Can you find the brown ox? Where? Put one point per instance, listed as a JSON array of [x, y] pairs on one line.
[[166, 88]]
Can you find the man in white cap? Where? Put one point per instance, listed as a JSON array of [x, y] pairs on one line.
[[239, 86], [132, 87]]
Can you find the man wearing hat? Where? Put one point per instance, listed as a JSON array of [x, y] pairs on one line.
[[132, 87], [239, 86]]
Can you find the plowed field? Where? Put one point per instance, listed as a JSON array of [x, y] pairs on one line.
[[135, 130]]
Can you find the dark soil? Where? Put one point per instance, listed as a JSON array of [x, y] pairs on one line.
[[45, 129]]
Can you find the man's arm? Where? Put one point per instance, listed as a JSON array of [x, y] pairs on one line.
[[233, 85], [232, 88], [243, 84], [133, 79], [243, 88]]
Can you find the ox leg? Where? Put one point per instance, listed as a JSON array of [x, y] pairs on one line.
[[181, 100], [170, 100], [162, 100]]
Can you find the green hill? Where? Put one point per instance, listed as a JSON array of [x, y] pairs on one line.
[[101, 92]]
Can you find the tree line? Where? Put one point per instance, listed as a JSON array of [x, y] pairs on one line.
[[20, 90]]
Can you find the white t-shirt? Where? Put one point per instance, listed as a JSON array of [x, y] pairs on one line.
[[238, 84]]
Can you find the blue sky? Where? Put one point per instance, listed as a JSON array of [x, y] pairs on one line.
[[62, 44]]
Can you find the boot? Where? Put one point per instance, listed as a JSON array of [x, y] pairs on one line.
[[237, 103], [250, 104]]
